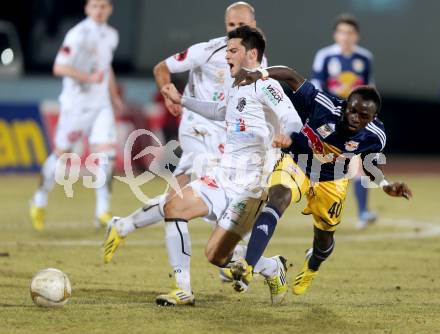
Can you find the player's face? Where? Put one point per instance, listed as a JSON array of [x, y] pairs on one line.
[[358, 114], [237, 17], [99, 10], [237, 57], [346, 36]]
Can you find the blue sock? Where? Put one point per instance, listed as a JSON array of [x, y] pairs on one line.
[[261, 233], [361, 196]]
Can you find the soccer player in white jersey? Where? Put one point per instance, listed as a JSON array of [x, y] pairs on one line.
[[232, 194], [89, 92], [209, 73]]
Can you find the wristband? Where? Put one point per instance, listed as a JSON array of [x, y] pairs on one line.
[[264, 73], [383, 183]]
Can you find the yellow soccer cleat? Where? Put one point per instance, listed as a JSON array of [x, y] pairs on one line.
[[278, 283], [304, 279], [225, 275], [176, 297], [38, 216], [242, 275], [112, 241], [103, 220]]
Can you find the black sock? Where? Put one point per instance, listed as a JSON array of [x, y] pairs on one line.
[[261, 234], [319, 256]]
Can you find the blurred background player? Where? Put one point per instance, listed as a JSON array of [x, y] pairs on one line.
[[209, 74], [89, 91], [337, 70]]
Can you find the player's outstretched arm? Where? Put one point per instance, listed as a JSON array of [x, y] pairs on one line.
[[280, 73], [208, 109], [61, 70], [395, 189]]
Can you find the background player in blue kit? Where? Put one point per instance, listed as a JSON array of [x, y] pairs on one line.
[[316, 167], [337, 70]]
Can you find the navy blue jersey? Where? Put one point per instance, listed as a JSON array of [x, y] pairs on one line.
[[338, 74], [321, 150]]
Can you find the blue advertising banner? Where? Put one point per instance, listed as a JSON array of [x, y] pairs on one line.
[[23, 140]]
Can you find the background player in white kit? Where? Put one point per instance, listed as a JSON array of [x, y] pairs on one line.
[[89, 90], [232, 194]]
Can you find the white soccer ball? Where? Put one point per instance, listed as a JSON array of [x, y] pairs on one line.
[[50, 288]]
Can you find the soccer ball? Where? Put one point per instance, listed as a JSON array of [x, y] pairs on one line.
[[50, 288]]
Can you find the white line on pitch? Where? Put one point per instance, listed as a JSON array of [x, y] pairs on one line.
[[420, 230]]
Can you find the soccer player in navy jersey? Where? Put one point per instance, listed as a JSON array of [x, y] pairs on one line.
[[315, 167], [337, 70]]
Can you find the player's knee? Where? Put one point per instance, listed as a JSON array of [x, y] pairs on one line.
[[279, 197], [173, 208]]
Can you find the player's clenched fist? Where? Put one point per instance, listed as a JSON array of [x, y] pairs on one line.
[[398, 189], [281, 141], [245, 77], [96, 77], [172, 99]]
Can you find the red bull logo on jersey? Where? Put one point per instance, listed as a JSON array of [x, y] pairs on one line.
[[344, 83], [315, 142], [351, 145]]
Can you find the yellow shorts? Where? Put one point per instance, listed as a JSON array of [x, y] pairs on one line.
[[325, 200]]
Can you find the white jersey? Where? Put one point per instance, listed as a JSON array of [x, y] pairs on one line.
[[254, 114], [87, 47], [209, 75]]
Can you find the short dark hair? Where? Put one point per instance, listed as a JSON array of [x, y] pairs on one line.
[[347, 19], [369, 93], [251, 38]]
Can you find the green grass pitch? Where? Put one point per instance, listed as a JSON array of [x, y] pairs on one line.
[[382, 280]]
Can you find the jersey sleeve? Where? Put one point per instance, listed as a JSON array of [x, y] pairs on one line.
[[304, 99], [319, 76], [69, 49], [369, 75], [195, 56], [271, 94]]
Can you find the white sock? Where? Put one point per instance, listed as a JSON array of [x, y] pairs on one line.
[[47, 181], [178, 244], [150, 214], [103, 194], [266, 266]]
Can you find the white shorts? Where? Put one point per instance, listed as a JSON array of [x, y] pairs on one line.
[[98, 125], [202, 142], [233, 212]]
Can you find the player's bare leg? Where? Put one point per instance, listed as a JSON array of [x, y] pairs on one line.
[[220, 246]]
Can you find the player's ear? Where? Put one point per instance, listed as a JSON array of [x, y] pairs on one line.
[[254, 53]]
